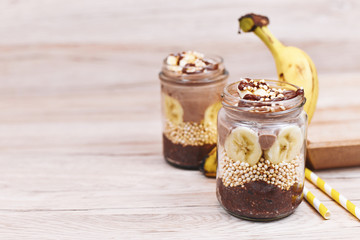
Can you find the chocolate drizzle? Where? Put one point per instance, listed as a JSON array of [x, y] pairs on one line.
[[252, 97], [260, 96]]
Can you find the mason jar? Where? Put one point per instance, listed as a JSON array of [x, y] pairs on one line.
[[191, 86], [261, 149]]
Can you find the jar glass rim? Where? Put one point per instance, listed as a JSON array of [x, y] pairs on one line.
[[201, 77], [231, 102]]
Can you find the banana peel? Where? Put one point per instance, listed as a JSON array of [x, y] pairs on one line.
[[292, 64], [209, 164]]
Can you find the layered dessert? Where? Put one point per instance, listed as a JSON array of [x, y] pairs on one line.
[[261, 158], [191, 87]]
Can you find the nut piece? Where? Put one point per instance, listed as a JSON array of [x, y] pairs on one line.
[[172, 60], [266, 141]]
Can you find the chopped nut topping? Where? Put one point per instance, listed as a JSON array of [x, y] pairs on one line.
[[260, 91], [190, 62]]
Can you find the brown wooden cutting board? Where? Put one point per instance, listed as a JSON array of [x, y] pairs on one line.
[[334, 133]]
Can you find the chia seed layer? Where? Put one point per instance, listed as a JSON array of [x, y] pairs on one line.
[[185, 156], [258, 200]]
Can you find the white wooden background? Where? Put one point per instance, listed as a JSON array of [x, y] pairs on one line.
[[80, 142]]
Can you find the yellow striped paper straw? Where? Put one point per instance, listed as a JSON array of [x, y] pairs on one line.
[[316, 204], [340, 199]]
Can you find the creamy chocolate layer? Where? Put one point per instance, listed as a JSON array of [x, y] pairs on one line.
[[195, 100]]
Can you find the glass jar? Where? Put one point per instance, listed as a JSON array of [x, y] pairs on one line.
[[191, 99], [261, 154]]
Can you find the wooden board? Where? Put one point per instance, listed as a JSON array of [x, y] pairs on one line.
[[334, 134], [80, 130]]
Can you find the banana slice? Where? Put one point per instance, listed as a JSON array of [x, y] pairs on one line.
[[173, 110], [210, 117], [243, 145], [243, 93], [260, 92], [287, 145]]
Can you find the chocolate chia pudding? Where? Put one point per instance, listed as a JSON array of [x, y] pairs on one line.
[[259, 200], [261, 149], [191, 85], [186, 156]]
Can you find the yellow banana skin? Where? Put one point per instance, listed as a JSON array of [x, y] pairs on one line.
[[292, 64], [209, 164]]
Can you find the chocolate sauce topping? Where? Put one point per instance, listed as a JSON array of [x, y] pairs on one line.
[[244, 84], [252, 97], [271, 94], [259, 93]]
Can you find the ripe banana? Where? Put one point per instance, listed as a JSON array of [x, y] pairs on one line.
[[173, 110], [293, 65], [210, 117], [209, 164], [287, 145], [243, 145]]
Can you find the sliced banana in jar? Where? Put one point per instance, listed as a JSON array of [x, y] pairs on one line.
[[243, 145], [211, 113], [173, 110], [287, 145]]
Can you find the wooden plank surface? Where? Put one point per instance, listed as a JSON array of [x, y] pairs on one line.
[[334, 133], [80, 116]]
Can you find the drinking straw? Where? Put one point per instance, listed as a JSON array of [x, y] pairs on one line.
[[339, 198], [316, 204]]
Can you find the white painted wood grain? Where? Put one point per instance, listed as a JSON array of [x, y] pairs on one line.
[[80, 131]]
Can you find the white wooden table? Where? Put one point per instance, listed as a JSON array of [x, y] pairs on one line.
[[80, 142]]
